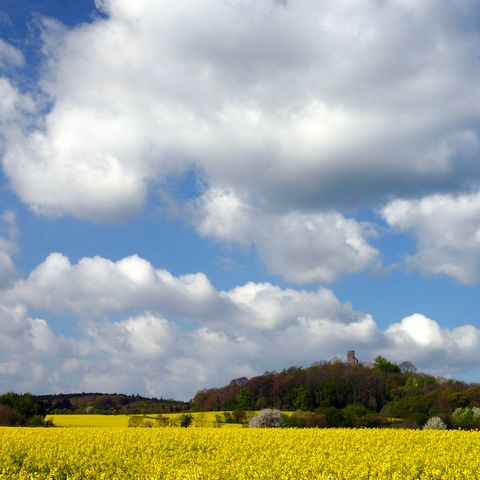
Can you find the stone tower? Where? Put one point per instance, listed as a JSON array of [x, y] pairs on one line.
[[351, 359]]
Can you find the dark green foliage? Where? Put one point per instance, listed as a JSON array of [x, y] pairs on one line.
[[245, 399], [383, 365], [186, 420], [421, 399], [333, 417], [101, 403], [466, 418], [355, 416], [320, 386], [21, 410], [306, 420]]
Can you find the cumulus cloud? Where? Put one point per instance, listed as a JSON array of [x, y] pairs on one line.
[[131, 338], [10, 56], [97, 285], [14, 107], [438, 349], [447, 229], [350, 101], [8, 234], [29, 351], [301, 247]]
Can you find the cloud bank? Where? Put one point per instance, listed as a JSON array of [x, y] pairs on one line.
[[141, 329], [354, 102], [304, 111]]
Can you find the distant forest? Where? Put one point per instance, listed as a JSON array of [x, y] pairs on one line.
[[329, 394], [108, 404]]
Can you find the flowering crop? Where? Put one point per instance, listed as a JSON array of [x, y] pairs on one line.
[[200, 419], [208, 453]]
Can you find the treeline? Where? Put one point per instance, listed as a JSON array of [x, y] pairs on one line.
[[21, 410], [109, 404], [335, 394]]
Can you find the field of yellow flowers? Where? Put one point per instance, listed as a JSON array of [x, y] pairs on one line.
[[200, 419], [208, 453]]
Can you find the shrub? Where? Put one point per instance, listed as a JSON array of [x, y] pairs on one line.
[[135, 421], [36, 421], [306, 420], [239, 416], [218, 421], [268, 418], [434, 423], [186, 420], [466, 418], [355, 416], [162, 421], [9, 416]]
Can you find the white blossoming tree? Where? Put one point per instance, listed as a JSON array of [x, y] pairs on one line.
[[268, 418]]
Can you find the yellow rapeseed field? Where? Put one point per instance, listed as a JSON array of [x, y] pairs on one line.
[[222, 454], [200, 419]]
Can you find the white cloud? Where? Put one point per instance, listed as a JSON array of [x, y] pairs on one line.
[[8, 234], [10, 56], [29, 352], [447, 229], [441, 350], [301, 104], [301, 247], [131, 338], [97, 285], [13, 107]]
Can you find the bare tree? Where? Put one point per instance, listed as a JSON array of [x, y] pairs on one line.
[[407, 367]]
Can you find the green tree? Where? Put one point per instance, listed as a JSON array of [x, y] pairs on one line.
[[383, 365], [186, 420], [245, 399]]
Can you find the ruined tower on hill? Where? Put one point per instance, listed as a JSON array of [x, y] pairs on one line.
[[351, 359]]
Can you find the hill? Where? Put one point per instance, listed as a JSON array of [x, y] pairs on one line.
[[342, 394]]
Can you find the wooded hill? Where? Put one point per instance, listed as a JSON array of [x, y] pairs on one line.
[[339, 394]]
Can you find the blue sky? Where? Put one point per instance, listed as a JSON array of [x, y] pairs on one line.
[[187, 201]]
